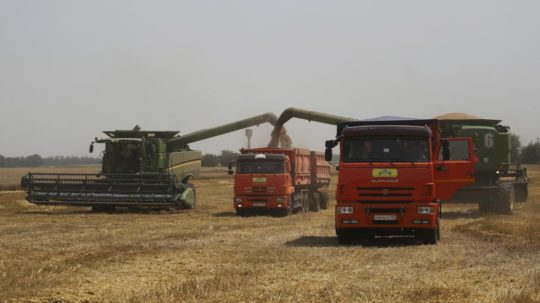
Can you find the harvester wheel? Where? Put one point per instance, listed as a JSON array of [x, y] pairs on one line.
[[521, 192], [324, 200], [484, 206], [315, 202], [102, 209], [503, 202], [344, 237]]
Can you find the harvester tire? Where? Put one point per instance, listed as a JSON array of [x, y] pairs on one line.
[[315, 202], [503, 202], [102, 209], [484, 206], [521, 191], [324, 200], [344, 237]]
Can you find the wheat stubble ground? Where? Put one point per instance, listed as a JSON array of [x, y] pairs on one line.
[[207, 254]]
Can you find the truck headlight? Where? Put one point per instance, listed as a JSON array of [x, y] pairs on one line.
[[425, 210], [343, 210]]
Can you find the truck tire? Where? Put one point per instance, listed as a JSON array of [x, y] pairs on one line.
[[305, 203], [241, 212], [324, 200], [315, 202], [344, 237], [503, 201], [430, 236]]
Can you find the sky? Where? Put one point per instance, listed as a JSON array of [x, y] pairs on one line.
[[71, 69]]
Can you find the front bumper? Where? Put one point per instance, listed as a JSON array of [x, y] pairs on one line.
[[277, 202], [386, 216]]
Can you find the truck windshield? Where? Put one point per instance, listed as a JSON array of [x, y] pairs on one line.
[[260, 167], [385, 149]]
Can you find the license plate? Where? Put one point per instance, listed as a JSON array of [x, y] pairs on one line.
[[385, 217], [259, 204], [384, 172], [259, 179]]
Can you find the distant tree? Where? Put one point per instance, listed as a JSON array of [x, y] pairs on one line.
[[530, 154], [2, 161], [515, 148], [33, 161], [210, 160], [227, 156]]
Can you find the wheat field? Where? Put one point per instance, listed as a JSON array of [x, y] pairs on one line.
[[207, 254]]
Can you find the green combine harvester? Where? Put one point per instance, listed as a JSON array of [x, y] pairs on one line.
[[140, 169], [499, 182]]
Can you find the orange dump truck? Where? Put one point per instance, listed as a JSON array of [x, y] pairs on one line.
[[393, 175], [280, 181]]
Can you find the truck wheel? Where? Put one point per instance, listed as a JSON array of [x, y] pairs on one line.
[[315, 202], [429, 236], [240, 212], [503, 202], [324, 200], [344, 237], [305, 204]]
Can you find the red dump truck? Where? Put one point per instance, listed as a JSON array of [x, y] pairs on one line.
[[280, 181], [392, 176]]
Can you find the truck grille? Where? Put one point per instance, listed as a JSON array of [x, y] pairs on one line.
[[370, 210], [385, 191], [260, 190]]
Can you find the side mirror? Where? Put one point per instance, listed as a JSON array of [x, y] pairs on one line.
[[445, 150], [328, 154], [330, 143], [91, 149]]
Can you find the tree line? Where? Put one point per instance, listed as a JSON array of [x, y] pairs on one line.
[[226, 156], [36, 161]]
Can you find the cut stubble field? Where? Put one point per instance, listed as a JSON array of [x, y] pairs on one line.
[[208, 254]]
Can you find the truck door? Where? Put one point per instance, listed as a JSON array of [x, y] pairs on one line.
[[457, 171]]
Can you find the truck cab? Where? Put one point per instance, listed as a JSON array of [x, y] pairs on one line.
[[262, 181], [392, 176]]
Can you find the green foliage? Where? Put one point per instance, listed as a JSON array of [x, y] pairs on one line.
[[210, 160], [515, 148], [36, 161], [530, 154], [227, 156]]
